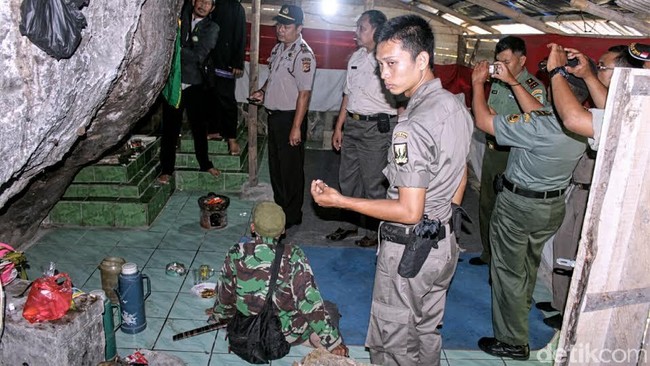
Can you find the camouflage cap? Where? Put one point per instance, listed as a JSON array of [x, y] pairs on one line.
[[269, 219]]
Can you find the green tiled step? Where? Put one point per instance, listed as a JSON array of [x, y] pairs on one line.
[[115, 172], [194, 180], [120, 212], [133, 189]]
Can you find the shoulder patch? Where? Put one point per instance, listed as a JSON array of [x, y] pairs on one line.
[[514, 118], [401, 153], [306, 64], [532, 83], [538, 94], [400, 135]]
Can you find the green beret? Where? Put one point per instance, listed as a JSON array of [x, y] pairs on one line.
[[269, 219]]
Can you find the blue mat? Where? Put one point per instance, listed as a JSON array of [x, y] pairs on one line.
[[345, 277]]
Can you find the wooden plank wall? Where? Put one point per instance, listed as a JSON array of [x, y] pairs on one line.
[[606, 321]]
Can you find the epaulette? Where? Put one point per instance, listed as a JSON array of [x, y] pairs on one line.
[[532, 83], [304, 48]]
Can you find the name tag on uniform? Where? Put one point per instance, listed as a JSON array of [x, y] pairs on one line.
[[353, 67]]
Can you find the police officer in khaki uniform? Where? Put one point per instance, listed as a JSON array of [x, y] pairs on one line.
[[286, 95], [529, 209], [368, 113], [426, 164], [514, 90]]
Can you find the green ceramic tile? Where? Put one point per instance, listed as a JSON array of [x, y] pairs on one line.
[[130, 214], [234, 181], [186, 179], [110, 173], [102, 190], [86, 174], [128, 191], [76, 191], [94, 213], [66, 212]]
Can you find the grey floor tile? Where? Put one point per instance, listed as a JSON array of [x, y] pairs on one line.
[[102, 237], [139, 256], [161, 282], [183, 241], [190, 306], [158, 304], [161, 257], [141, 239], [199, 343], [145, 339], [60, 236], [468, 355]]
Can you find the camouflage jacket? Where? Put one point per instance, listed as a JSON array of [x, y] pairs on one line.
[[243, 285]]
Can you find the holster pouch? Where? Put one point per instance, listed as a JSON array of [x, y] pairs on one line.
[[383, 123], [498, 183], [422, 238]]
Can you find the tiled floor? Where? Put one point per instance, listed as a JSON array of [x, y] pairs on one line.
[[172, 308]]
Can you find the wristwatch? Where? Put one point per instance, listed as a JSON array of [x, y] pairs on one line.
[[558, 70]]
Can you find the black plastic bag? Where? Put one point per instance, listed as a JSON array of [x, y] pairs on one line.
[[53, 25]]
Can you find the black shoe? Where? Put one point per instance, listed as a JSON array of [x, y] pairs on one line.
[[499, 349], [477, 261], [341, 234], [365, 242], [554, 321], [545, 306]]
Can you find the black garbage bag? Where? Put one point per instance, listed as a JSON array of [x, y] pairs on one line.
[[53, 25]]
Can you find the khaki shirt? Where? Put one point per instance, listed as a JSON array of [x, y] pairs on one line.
[[543, 154], [364, 87], [503, 101], [291, 69], [429, 148]]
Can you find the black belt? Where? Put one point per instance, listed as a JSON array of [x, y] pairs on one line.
[[374, 117], [531, 194], [398, 234], [272, 112], [583, 186]]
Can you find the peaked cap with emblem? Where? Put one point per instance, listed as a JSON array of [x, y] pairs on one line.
[[269, 219], [290, 14], [640, 51]]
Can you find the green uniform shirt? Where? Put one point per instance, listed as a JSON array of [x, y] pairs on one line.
[[543, 153], [503, 101]]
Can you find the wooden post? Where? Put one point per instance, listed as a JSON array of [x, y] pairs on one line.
[[252, 86], [606, 315]]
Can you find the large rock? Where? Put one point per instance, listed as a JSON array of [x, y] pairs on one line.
[[58, 116]]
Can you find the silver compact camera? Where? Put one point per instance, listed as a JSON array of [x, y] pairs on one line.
[[493, 69]]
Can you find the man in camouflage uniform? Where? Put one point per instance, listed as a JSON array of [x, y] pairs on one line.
[[529, 208], [286, 95], [244, 281], [514, 90]]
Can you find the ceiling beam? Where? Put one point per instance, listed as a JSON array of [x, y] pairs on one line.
[[515, 15], [609, 14], [460, 16], [412, 8]]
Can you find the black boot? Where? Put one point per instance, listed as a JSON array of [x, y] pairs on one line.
[[499, 349]]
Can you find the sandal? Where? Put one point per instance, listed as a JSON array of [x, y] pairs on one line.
[[341, 234]]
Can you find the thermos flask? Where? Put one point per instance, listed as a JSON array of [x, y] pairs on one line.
[[110, 349], [132, 297]]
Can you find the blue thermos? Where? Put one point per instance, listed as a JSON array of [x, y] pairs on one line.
[[132, 296]]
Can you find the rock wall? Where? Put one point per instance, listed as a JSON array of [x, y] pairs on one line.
[[57, 116]]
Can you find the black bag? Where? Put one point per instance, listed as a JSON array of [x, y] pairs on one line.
[[258, 338], [53, 25]]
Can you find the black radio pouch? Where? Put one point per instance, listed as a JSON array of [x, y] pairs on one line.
[[422, 238], [383, 123]]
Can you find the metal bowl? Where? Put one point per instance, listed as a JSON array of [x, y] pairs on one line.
[[175, 269]]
